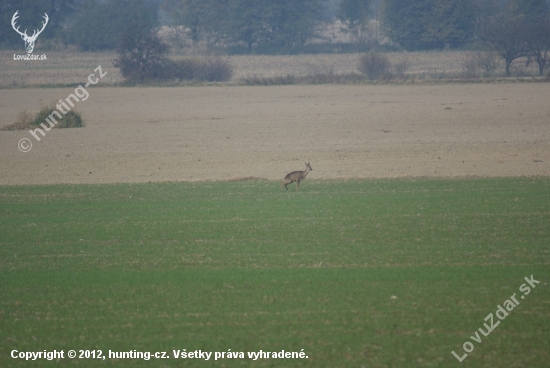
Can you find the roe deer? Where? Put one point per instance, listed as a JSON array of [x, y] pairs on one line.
[[296, 176]]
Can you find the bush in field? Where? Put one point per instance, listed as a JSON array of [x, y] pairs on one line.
[[25, 120], [374, 66], [72, 119]]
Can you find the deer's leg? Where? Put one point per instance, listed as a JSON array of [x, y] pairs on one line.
[[297, 184], [285, 183]]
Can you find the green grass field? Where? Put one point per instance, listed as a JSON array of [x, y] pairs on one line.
[[373, 273]]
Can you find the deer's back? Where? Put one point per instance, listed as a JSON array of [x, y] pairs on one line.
[[296, 175]]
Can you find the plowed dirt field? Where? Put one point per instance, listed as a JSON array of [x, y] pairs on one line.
[[235, 132]]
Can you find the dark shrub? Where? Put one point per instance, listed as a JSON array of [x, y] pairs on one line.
[[374, 66], [142, 56], [182, 70]]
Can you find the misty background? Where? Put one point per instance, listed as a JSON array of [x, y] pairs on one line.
[[274, 26]]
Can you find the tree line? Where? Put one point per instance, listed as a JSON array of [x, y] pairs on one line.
[[514, 28]]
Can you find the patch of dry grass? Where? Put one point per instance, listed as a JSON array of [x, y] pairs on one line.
[[24, 121], [67, 68]]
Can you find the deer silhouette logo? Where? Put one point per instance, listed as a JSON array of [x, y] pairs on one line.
[[29, 40]]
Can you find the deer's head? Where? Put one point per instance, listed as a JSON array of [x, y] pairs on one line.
[[29, 40], [308, 167]]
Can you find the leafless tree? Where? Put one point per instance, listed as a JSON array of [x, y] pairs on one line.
[[508, 35], [539, 41]]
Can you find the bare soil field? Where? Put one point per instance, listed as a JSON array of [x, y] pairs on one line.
[[231, 132]]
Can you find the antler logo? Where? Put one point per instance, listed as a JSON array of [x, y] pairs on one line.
[[29, 40]]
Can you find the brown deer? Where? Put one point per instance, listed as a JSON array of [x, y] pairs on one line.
[[296, 176]]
